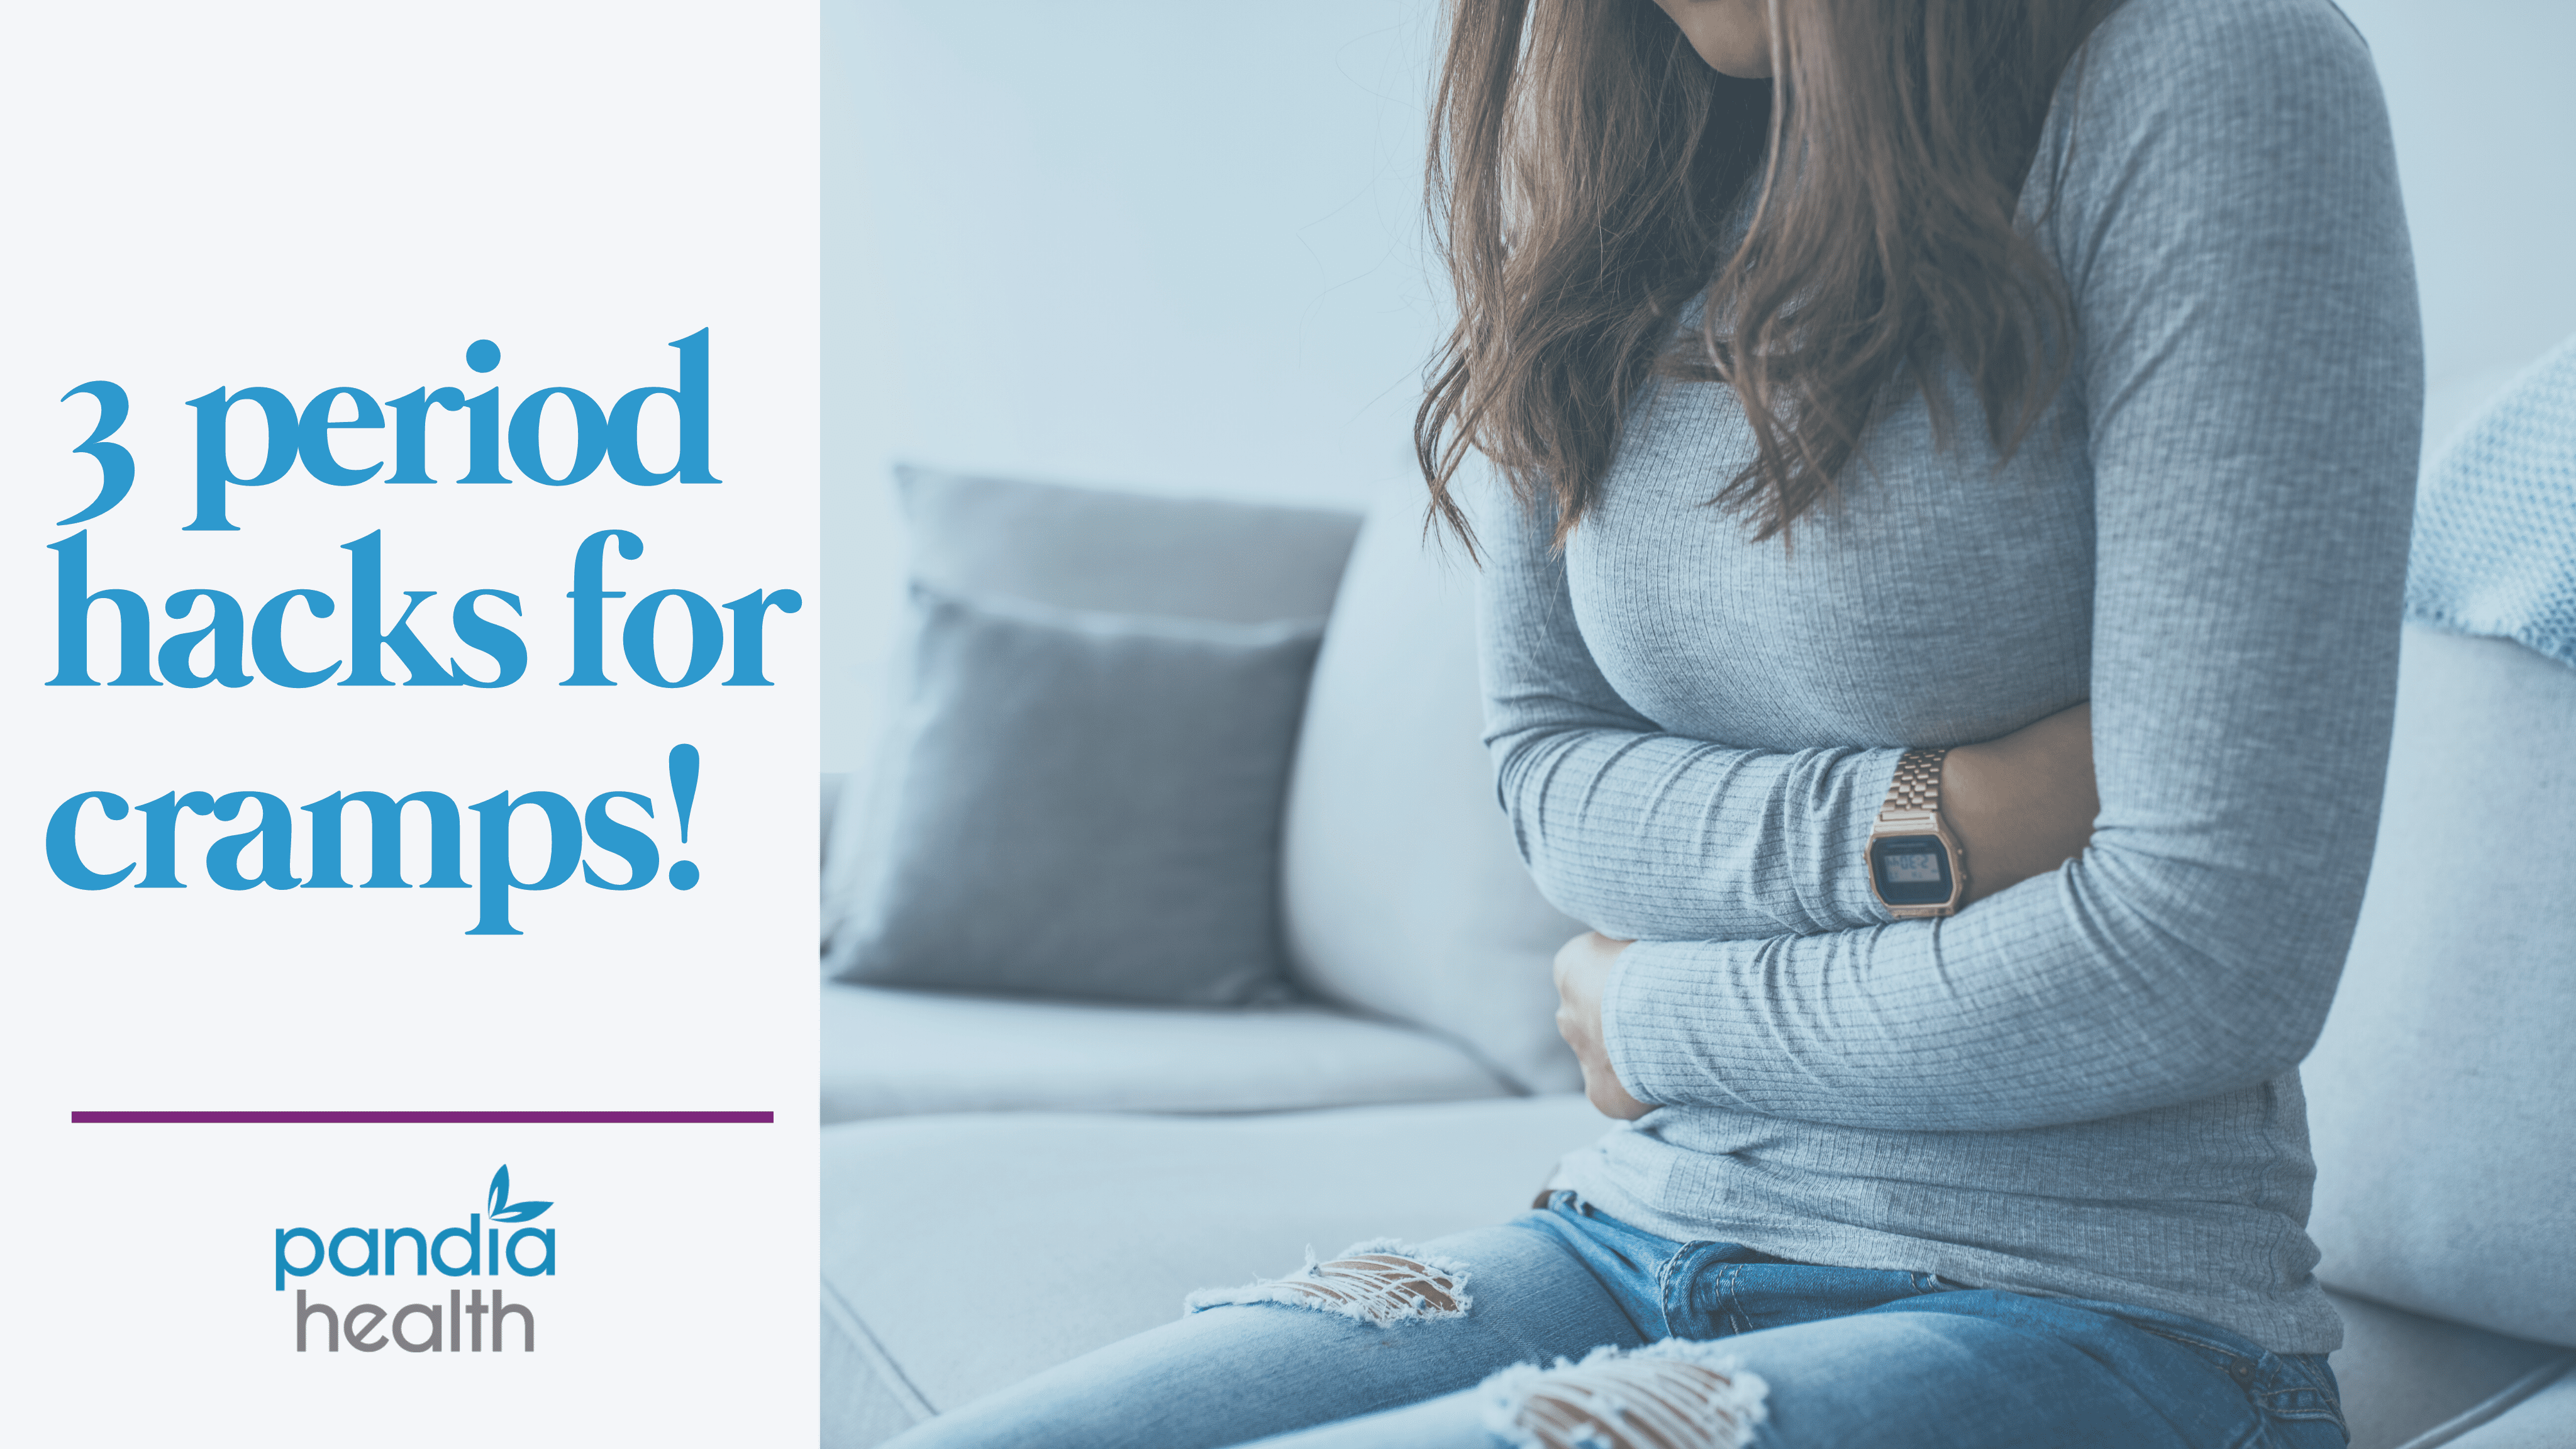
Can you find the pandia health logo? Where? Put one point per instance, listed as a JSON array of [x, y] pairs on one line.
[[475, 1250]]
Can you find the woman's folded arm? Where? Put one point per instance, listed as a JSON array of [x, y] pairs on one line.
[[1638, 832], [2253, 379]]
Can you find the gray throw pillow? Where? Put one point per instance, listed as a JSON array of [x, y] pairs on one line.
[[1086, 804]]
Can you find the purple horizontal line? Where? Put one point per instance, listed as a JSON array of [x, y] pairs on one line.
[[486, 1118]]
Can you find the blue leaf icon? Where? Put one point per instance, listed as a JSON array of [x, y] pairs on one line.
[[502, 1210]]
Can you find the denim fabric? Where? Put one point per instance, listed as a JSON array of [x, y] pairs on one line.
[[1851, 1357]]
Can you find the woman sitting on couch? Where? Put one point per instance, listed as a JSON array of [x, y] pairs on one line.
[[1913, 412]]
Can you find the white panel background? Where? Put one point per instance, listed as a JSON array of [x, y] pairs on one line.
[[302, 196]]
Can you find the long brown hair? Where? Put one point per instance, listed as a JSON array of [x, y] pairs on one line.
[[1584, 167]]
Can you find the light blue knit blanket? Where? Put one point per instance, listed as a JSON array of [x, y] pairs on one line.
[[2495, 518]]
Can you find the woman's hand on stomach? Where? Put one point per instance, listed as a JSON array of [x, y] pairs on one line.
[[1583, 967], [2021, 805]]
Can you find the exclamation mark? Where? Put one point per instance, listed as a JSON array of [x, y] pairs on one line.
[[684, 794]]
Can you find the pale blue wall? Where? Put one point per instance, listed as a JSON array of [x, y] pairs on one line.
[[1166, 244], [1175, 244], [2485, 115]]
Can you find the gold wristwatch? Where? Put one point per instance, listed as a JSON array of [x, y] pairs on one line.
[[1916, 866]]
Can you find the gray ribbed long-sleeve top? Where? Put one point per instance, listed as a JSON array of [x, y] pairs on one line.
[[2085, 1085]]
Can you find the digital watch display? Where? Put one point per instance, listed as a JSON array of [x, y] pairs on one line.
[[1916, 866]]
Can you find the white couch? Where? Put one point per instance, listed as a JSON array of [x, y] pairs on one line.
[[1010, 1183]]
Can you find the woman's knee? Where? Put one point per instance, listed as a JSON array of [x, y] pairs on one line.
[[1674, 1394], [1379, 1282], [1380, 1324]]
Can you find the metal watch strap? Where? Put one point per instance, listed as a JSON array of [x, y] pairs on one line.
[[1913, 807], [1916, 790]]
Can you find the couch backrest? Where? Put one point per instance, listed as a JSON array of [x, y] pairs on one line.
[[1403, 893], [2442, 1096]]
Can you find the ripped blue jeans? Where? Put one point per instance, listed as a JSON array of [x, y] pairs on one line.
[[1566, 1329]]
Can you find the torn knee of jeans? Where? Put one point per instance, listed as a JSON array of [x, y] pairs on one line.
[[1380, 1282], [1675, 1394]]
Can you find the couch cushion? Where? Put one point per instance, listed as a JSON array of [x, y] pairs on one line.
[[889, 1052], [2416, 1382], [1403, 892], [2442, 1095], [1088, 805], [2546, 1420], [1110, 1221]]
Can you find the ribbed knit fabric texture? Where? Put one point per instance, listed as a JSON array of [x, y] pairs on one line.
[[2495, 525], [2086, 1085]]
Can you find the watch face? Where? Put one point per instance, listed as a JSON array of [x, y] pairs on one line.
[[1911, 870]]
